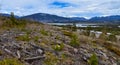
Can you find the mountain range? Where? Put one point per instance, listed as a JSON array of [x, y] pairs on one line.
[[43, 17]]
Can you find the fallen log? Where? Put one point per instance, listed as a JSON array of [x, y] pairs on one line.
[[27, 52], [35, 46], [34, 58], [9, 52]]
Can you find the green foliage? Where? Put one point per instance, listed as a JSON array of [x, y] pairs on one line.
[[112, 38], [87, 31], [1, 53], [51, 59], [42, 31], [103, 36], [93, 60], [74, 41], [74, 27], [112, 47], [92, 35], [67, 33], [13, 22], [10, 62], [58, 47], [57, 37], [12, 18], [36, 38], [23, 38]]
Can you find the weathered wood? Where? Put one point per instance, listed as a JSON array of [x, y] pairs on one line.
[[34, 58], [9, 52], [18, 54], [35, 46], [27, 52]]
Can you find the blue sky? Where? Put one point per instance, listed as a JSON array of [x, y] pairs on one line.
[[66, 8]]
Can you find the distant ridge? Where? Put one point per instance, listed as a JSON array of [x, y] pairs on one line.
[[7, 15], [112, 19], [43, 17], [50, 18]]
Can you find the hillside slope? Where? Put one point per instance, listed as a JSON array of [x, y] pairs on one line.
[[33, 43]]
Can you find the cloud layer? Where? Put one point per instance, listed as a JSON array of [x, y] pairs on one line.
[[67, 8]]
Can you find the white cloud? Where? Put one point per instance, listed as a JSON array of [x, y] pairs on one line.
[[82, 8]]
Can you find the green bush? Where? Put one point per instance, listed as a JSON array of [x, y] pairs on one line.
[[1, 53], [51, 59], [92, 35], [67, 33], [74, 27], [74, 41], [87, 31], [13, 22], [10, 62], [112, 38], [58, 47], [42, 31], [23, 38], [93, 60], [103, 36]]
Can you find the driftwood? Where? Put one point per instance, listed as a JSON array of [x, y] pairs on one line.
[[18, 54], [27, 52], [35, 46], [74, 49], [34, 58], [68, 46], [9, 52]]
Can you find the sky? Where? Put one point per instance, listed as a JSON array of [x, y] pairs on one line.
[[66, 8]]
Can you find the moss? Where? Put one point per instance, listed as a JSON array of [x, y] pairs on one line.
[[11, 61]]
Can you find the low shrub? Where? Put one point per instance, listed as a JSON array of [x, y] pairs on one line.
[[42, 31], [23, 38], [93, 60], [10, 62], [51, 59], [67, 33], [74, 40], [112, 38], [58, 47]]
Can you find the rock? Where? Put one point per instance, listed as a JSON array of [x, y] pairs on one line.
[[75, 50], [40, 51]]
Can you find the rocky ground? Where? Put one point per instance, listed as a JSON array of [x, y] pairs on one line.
[[41, 44]]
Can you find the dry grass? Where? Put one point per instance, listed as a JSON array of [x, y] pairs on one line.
[[112, 47]]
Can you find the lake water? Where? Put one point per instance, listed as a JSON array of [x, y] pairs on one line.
[[78, 24]]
